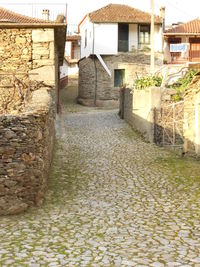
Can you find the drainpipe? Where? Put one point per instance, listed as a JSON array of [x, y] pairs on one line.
[[95, 68]]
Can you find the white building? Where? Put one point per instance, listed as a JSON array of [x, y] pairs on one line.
[[72, 54], [110, 40], [118, 28]]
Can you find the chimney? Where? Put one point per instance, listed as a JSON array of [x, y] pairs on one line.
[[162, 15], [45, 14]]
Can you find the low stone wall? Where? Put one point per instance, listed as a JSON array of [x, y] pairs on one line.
[[26, 144], [192, 121], [135, 65], [137, 108]]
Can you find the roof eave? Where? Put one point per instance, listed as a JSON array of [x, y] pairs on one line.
[[130, 22], [180, 33], [32, 25], [84, 18]]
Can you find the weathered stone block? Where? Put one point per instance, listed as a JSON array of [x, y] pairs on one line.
[[45, 73], [45, 35]]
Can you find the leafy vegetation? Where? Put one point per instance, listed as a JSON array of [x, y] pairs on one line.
[[146, 48], [182, 84], [148, 81]]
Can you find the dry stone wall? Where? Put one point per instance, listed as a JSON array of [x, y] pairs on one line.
[[26, 144], [27, 112], [29, 51], [15, 49], [43, 47], [135, 65]]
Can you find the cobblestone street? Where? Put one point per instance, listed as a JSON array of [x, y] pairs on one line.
[[113, 200]]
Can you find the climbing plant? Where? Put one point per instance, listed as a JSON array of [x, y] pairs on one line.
[[183, 83]]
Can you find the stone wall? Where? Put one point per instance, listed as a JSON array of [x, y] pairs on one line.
[[15, 49], [28, 89], [26, 144], [137, 108], [192, 118], [135, 65], [29, 51]]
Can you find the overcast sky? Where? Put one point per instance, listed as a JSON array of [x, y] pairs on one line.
[[176, 10]]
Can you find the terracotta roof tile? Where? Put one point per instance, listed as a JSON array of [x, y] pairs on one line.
[[12, 17], [121, 14], [191, 27]]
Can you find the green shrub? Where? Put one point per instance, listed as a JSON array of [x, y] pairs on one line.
[[182, 84], [148, 81]]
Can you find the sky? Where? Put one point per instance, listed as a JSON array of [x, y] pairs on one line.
[[176, 10]]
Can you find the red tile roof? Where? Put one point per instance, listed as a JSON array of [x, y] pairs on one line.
[[7, 16], [191, 27], [115, 13]]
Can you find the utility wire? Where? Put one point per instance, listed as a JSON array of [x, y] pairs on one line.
[[178, 8]]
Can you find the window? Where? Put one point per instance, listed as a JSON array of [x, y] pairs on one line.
[[119, 76], [144, 34], [85, 38]]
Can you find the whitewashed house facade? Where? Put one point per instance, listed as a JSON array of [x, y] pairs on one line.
[[113, 33], [105, 32]]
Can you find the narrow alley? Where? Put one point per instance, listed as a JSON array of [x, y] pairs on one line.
[[113, 200]]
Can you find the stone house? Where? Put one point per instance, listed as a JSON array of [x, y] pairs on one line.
[[111, 39], [182, 43], [31, 53], [31, 45]]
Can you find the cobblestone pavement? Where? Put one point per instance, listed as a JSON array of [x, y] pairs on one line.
[[113, 200]]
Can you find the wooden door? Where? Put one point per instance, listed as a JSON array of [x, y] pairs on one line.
[[123, 32], [194, 53]]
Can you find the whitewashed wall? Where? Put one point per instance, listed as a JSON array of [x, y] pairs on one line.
[[64, 70], [88, 50], [68, 49], [106, 38], [105, 35], [73, 70], [133, 36], [158, 38]]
